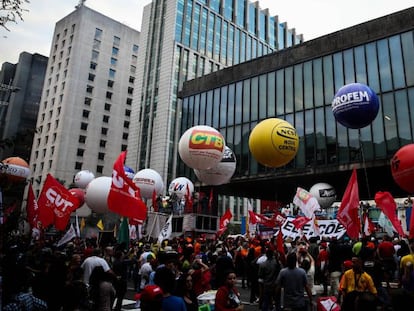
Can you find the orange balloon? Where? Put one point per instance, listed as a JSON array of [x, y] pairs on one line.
[[15, 168]]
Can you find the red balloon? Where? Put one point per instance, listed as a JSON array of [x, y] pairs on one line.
[[79, 193], [402, 168]]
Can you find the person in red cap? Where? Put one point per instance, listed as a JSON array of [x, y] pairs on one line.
[[150, 298]]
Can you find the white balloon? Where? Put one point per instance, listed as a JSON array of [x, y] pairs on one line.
[[96, 194], [178, 187], [222, 172], [83, 178], [148, 180], [201, 147], [324, 193]]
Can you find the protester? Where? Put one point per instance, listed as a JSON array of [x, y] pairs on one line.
[[93, 261], [268, 272], [165, 278], [102, 292], [227, 296], [185, 290], [294, 282]]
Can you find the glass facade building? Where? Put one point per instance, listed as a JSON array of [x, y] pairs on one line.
[[298, 85], [182, 40]]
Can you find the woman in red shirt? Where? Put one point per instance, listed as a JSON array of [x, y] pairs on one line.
[[227, 296]]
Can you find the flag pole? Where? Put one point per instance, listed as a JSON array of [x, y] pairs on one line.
[[364, 165]]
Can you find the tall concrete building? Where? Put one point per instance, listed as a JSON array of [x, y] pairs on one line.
[[182, 40], [85, 108], [20, 90]]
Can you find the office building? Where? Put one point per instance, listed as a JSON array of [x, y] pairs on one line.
[[298, 85], [85, 107], [20, 90], [182, 40]]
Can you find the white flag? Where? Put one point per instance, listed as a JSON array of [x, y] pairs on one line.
[[77, 227], [386, 224], [306, 202], [69, 235], [166, 231]]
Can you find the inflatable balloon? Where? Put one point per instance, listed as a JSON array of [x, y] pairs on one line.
[[201, 147], [15, 169], [324, 193], [148, 180], [222, 172], [129, 172], [83, 178], [96, 194], [402, 168], [355, 105], [178, 187], [79, 193], [273, 142]]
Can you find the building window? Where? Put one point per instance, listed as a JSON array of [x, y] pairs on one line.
[[109, 95], [89, 88], [134, 59], [98, 33], [127, 112], [82, 139], [115, 51], [135, 48], [95, 55], [93, 65], [80, 152], [129, 101], [105, 119], [96, 44], [114, 61], [101, 156], [85, 113], [99, 168], [131, 79], [110, 83], [126, 124], [88, 101], [130, 90], [107, 107], [125, 136], [133, 69], [124, 147], [78, 165], [117, 40], [84, 126], [112, 73], [91, 77], [102, 143], [104, 130]]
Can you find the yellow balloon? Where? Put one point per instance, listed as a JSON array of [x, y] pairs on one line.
[[273, 142]]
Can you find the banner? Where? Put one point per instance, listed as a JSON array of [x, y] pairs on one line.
[[327, 228], [307, 203], [55, 204], [166, 230]]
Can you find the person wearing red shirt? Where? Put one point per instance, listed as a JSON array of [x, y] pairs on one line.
[[228, 296], [385, 252]]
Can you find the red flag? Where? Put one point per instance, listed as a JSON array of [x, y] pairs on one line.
[[224, 220], [32, 208], [210, 200], [348, 213], [253, 219], [300, 221], [154, 201], [280, 247], [188, 200], [55, 204], [387, 204], [124, 197], [369, 227], [411, 228]]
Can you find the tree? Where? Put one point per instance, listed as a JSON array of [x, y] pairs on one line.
[[11, 11]]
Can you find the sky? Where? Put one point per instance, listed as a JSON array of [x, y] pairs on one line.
[[312, 18]]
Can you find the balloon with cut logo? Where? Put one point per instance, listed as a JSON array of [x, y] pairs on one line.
[[96, 194], [402, 168], [324, 193], [14, 169], [273, 142], [201, 147], [83, 178], [79, 194], [222, 172], [178, 187], [355, 105], [148, 181]]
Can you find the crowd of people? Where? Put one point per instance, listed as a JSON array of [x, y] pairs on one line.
[[368, 274]]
